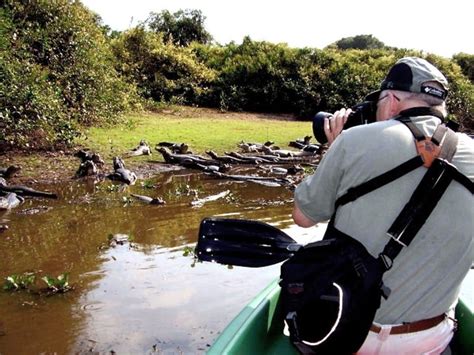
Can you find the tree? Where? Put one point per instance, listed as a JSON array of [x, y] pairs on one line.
[[181, 28], [466, 62], [359, 42]]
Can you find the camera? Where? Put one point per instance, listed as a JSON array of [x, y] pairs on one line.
[[362, 113]]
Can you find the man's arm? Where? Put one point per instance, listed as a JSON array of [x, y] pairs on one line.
[[300, 219], [315, 196]]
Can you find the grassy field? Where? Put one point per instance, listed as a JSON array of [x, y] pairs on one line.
[[201, 129], [217, 131]]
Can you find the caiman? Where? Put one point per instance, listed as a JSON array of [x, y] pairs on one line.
[[10, 171], [149, 200], [121, 173], [184, 159], [86, 155], [87, 168], [142, 149], [24, 190]]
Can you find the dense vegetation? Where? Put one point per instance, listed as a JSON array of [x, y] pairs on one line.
[[62, 70], [56, 73]]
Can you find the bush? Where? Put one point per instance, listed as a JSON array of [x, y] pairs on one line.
[[56, 72], [260, 76], [161, 71], [466, 62]]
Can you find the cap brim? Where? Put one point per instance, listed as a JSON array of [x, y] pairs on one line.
[[373, 96]]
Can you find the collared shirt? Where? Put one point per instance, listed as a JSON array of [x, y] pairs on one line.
[[426, 276]]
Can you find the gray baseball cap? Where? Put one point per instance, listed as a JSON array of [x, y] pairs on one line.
[[413, 74]]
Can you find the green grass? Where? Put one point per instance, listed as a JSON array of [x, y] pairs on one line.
[[201, 129], [200, 133]]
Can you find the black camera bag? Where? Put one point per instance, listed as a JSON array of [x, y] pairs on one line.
[[332, 289]]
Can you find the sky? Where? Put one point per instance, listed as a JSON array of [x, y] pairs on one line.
[[444, 28]]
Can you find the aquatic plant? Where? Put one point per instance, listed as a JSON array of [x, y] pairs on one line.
[[57, 284], [17, 282]]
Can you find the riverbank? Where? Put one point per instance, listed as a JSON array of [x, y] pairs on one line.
[[201, 128]]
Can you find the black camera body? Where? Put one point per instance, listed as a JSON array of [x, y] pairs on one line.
[[362, 113]]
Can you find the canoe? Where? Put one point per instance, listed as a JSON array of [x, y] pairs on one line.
[[258, 328]]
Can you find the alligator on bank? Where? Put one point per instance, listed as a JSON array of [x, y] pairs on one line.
[[10, 171], [248, 147], [121, 173], [237, 158], [226, 158], [149, 200], [24, 190], [201, 201], [262, 180], [88, 168], [222, 167], [90, 163], [290, 153], [172, 158], [254, 159], [86, 155], [300, 143], [175, 148], [142, 149], [306, 145], [292, 170]]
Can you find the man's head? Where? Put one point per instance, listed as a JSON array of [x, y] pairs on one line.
[[410, 82]]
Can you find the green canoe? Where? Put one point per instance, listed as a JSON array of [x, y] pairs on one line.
[[258, 328]]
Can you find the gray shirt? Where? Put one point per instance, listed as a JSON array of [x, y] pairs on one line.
[[426, 277]]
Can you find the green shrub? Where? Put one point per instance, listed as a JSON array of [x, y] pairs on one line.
[[466, 62], [57, 74], [260, 76], [162, 71]]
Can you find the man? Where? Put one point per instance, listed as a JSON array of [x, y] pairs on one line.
[[426, 277]]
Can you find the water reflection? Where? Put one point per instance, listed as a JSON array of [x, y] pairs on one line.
[[140, 296]]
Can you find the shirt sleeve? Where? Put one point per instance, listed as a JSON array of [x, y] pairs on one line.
[[316, 195]]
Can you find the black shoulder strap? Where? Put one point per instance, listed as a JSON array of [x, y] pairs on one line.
[[426, 196], [429, 191], [355, 192]]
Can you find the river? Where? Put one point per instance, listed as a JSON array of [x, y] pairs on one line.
[[142, 296]]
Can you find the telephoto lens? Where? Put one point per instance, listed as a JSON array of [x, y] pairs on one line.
[[362, 113]]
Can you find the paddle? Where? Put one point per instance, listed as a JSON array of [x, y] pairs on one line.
[[243, 243]]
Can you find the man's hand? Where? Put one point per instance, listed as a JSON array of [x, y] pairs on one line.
[[334, 125]]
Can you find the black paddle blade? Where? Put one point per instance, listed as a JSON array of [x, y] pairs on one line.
[[243, 243]]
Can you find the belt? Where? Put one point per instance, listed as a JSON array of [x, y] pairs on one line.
[[412, 327]]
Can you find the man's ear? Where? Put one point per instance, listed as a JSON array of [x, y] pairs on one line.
[[394, 105]]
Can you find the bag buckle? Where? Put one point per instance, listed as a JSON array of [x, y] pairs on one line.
[[290, 320], [397, 239], [387, 261], [360, 268]]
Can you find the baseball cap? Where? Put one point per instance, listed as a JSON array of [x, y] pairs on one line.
[[413, 74]]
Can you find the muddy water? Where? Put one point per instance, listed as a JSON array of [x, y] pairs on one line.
[[139, 297]]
